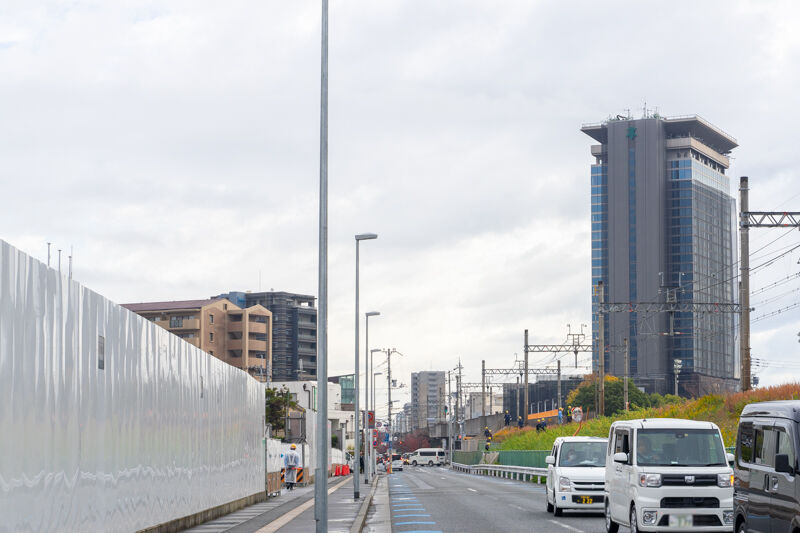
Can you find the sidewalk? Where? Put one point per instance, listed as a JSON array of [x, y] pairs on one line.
[[293, 512]]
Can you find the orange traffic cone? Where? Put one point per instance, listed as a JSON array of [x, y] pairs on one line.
[[346, 470], [338, 471]]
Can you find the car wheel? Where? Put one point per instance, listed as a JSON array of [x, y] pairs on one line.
[[634, 521], [549, 505], [430, 463], [611, 526], [557, 511], [742, 527], [413, 463]]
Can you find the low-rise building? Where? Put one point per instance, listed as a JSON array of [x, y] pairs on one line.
[[240, 337]]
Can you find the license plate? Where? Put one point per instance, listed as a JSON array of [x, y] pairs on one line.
[[587, 500], [680, 520]]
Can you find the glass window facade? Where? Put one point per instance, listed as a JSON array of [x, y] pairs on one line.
[[599, 242]]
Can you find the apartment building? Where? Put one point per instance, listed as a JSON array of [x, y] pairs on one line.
[[427, 398], [240, 337]]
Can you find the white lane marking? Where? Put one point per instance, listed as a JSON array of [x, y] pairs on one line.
[[470, 488], [566, 526]]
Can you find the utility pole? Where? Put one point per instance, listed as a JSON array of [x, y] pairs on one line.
[[483, 387], [601, 369], [744, 286], [559, 385], [525, 408], [48, 254], [459, 415], [389, 381], [449, 418], [627, 371]]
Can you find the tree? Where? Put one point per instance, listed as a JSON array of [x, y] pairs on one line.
[[583, 396], [277, 404], [413, 441]]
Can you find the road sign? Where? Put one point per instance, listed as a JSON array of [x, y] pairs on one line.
[[577, 414], [371, 419]]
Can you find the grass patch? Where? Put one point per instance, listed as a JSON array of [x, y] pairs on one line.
[[723, 410]]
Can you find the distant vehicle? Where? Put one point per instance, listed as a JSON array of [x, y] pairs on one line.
[[397, 462], [666, 474], [576, 469], [428, 456], [405, 458], [766, 492]]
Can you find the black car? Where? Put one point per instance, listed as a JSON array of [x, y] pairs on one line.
[[766, 495]]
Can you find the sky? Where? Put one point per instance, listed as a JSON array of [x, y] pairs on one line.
[[174, 147]]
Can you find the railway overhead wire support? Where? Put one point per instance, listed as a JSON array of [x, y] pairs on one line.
[[752, 219]]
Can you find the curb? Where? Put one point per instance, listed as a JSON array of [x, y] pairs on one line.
[[361, 517]]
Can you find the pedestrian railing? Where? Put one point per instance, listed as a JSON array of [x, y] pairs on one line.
[[519, 473]]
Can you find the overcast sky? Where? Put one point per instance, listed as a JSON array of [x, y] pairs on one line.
[[175, 146]]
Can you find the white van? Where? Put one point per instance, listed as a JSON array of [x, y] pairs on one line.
[[667, 474], [576, 469], [428, 456]]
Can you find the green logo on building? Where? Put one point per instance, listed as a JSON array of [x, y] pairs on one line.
[[631, 133]]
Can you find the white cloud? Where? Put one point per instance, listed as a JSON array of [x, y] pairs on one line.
[[176, 146]]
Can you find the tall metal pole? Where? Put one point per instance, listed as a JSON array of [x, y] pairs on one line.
[[367, 440], [483, 387], [525, 407], [356, 465], [559, 386], [48, 254], [601, 409], [321, 471], [449, 418], [389, 381], [627, 372], [744, 286]]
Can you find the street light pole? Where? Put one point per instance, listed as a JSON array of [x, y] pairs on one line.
[[371, 447], [323, 441], [367, 370], [356, 465]]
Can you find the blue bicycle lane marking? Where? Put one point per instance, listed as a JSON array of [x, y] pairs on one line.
[[407, 513]]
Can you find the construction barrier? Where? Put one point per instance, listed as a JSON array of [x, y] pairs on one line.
[[299, 475]]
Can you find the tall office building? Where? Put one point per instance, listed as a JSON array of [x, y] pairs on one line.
[[294, 331], [663, 227], [427, 398]]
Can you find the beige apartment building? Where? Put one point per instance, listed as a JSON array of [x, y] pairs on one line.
[[240, 337]]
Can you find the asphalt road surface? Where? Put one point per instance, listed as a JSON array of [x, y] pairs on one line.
[[436, 499]]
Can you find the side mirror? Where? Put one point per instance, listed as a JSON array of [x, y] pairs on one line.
[[621, 457], [730, 458], [550, 460], [782, 464]]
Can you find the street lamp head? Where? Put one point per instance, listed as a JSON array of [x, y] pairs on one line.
[[366, 236], [373, 313]]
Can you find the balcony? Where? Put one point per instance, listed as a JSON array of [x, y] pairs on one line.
[[254, 345], [234, 344], [193, 323], [194, 341], [256, 327], [235, 325]]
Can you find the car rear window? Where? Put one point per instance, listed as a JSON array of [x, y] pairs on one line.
[[396, 457]]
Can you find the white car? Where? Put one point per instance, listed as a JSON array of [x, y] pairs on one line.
[[397, 462], [576, 470], [665, 474]]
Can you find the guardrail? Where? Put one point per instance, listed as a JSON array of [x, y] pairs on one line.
[[519, 473]]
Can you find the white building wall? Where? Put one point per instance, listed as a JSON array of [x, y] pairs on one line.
[[164, 430]]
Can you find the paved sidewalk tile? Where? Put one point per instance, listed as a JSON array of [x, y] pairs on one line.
[[240, 521], [342, 511], [379, 520]]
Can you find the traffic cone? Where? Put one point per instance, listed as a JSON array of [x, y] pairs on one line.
[[338, 471], [346, 470]]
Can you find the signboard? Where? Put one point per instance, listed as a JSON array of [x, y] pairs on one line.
[[371, 419]]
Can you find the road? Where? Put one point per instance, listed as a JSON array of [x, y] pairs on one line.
[[436, 499]]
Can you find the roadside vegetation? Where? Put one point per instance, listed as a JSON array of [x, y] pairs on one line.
[[723, 410]]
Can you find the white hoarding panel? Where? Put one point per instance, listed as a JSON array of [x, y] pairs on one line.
[[107, 421]]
